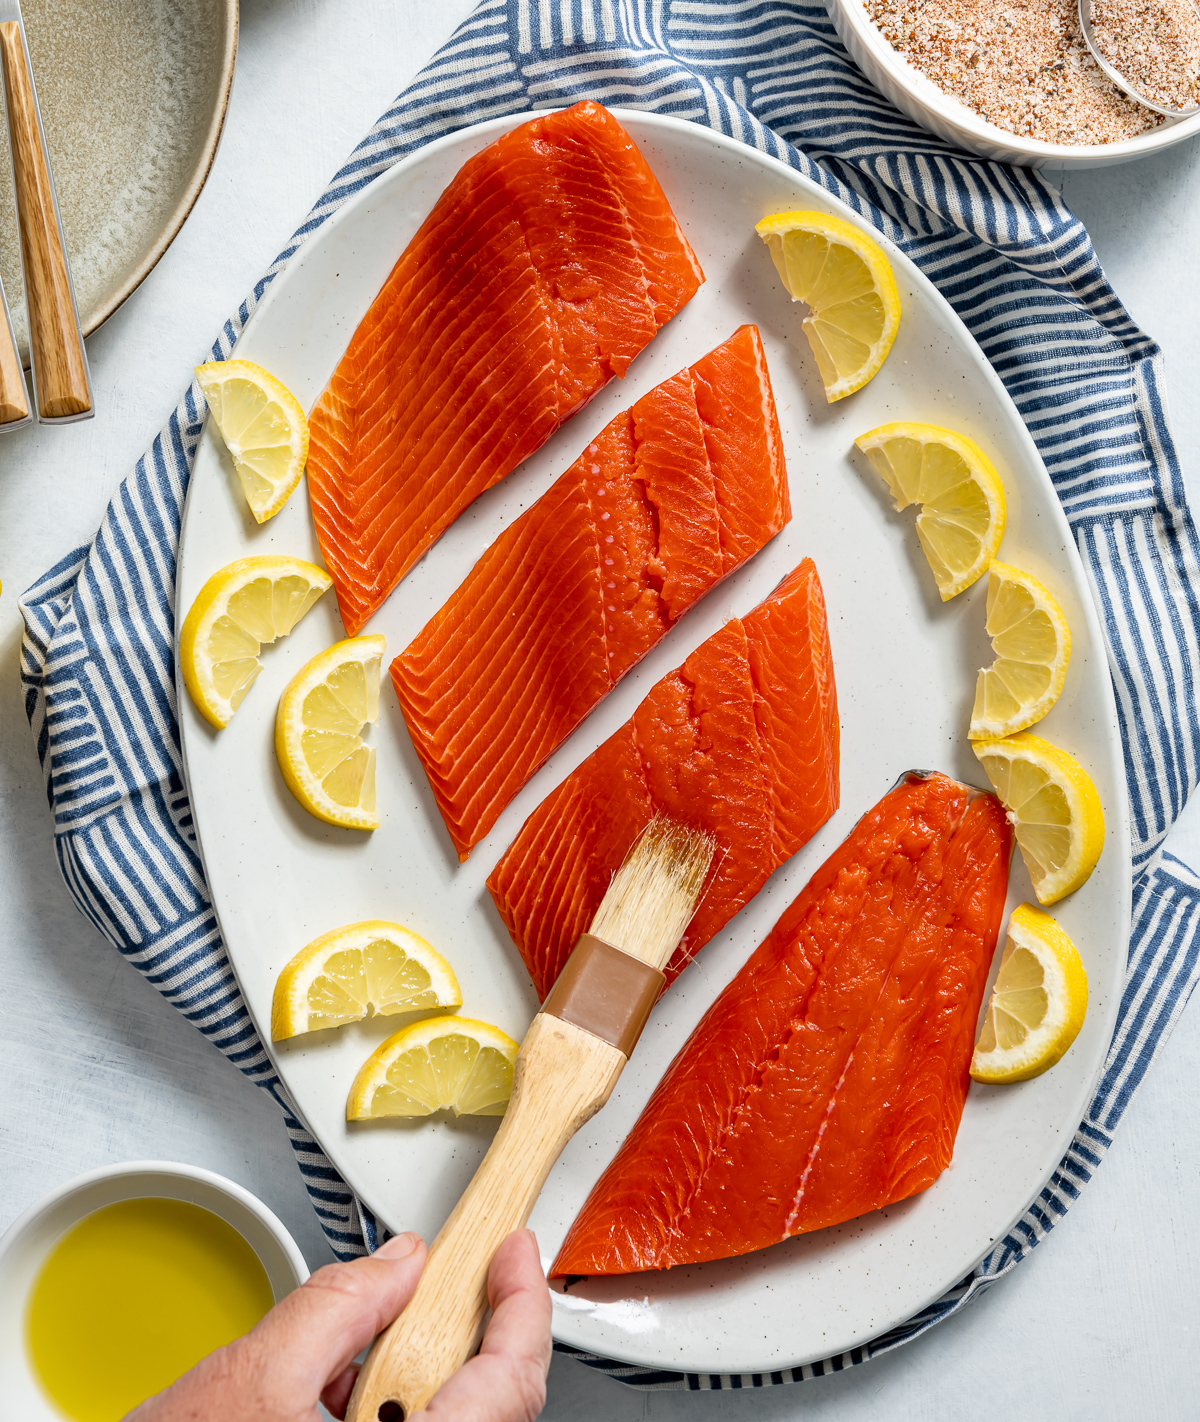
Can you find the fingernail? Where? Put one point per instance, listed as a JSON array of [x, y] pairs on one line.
[[400, 1246]]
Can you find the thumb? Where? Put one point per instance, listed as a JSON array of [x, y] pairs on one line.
[[315, 1333]]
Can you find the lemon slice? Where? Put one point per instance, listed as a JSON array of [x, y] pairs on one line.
[[263, 427], [1038, 1002], [847, 283], [350, 972], [443, 1063], [1053, 807], [1032, 643], [318, 743], [247, 603], [962, 513]]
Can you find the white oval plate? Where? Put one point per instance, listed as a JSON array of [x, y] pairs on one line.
[[905, 677]]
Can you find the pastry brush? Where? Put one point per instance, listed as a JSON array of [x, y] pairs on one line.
[[568, 1064]]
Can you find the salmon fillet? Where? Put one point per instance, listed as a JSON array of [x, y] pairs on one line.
[[828, 1079], [544, 268], [669, 497], [742, 741]]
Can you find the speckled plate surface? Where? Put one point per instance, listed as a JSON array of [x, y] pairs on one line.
[[905, 666], [133, 95]]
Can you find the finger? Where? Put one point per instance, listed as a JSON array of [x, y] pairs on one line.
[[520, 1300], [337, 1394], [313, 1335], [506, 1381]]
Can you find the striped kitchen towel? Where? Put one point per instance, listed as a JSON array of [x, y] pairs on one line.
[[1019, 268]]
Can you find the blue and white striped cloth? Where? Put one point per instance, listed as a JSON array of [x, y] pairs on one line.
[[1019, 268]]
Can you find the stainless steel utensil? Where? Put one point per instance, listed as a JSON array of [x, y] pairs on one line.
[[1115, 75]]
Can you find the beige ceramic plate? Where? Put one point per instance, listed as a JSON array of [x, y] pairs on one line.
[[133, 95]]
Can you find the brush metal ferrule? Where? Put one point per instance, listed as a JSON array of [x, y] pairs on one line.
[[606, 991]]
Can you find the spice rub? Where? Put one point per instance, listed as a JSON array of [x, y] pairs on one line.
[[1022, 66], [1154, 45]]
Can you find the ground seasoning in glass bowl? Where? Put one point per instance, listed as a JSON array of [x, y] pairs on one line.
[[1022, 66]]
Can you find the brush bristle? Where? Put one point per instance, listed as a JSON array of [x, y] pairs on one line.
[[654, 894]]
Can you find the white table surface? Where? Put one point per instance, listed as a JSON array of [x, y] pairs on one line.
[[1101, 1323]]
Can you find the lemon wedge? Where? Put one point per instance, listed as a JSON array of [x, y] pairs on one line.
[[318, 743], [263, 427], [1038, 1002], [443, 1063], [1053, 807], [1032, 643], [246, 604], [847, 283], [350, 972], [962, 513]]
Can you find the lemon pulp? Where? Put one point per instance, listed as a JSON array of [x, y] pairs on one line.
[[133, 1297], [357, 981], [453, 1070], [443, 1063], [961, 496], [1032, 643], [1018, 1004], [321, 754]]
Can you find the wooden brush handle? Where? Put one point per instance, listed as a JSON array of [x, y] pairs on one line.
[[563, 1076], [14, 401], [56, 347]]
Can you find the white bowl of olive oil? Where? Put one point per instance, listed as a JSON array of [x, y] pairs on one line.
[[119, 1281]]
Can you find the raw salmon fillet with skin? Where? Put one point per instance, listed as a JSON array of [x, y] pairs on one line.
[[668, 499], [742, 741], [544, 268], [828, 1078]]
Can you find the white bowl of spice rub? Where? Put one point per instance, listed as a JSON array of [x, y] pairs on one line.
[[1015, 81]]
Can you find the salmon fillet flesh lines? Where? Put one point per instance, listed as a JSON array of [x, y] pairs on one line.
[[741, 741], [544, 268], [669, 498], [828, 1078]]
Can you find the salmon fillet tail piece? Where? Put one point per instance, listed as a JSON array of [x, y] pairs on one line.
[[742, 741], [828, 1079], [669, 497], [544, 268]]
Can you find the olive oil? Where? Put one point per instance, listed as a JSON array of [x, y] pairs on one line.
[[132, 1297]]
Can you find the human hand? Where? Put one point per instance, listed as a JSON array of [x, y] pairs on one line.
[[303, 1350]]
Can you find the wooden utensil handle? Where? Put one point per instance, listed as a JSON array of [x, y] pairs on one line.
[[59, 365], [14, 401], [563, 1076]]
